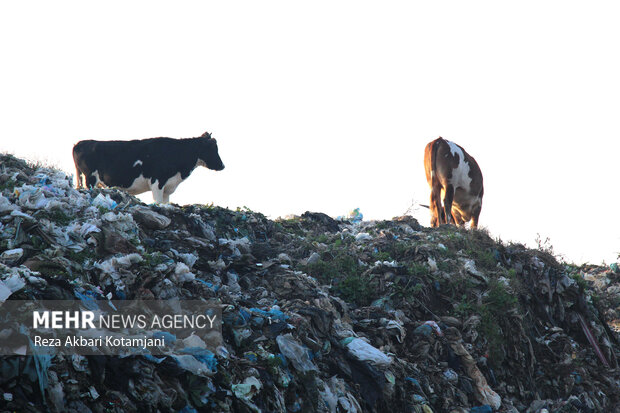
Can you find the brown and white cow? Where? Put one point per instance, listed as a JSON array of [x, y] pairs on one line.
[[456, 180]]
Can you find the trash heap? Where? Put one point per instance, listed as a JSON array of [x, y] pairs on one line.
[[319, 315]]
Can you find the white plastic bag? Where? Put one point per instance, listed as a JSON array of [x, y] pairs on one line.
[[363, 351]]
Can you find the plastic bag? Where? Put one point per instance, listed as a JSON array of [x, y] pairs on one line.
[[363, 351], [295, 352]]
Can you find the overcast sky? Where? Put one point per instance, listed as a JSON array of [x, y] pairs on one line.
[[328, 105]]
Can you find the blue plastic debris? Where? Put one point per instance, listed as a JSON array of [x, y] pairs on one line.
[[356, 215], [88, 300], [423, 330], [153, 358], [203, 355], [282, 360], [237, 319], [211, 286], [481, 409], [42, 362], [251, 356], [244, 316], [169, 339], [419, 399], [271, 314], [416, 383]]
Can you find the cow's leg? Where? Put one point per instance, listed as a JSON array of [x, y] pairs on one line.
[[158, 196], [91, 181], [167, 191], [448, 197], [171, 185], [435, 218], [458, 218], [158, 193], [435, 207], [475, 216], [78, 178]]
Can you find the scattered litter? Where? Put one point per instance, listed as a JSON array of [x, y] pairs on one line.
[[319, 314]]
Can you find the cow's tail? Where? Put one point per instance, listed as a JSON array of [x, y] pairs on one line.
[[436, 197], [434, 149]]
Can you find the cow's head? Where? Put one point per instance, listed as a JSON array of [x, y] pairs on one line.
[[208, 153]]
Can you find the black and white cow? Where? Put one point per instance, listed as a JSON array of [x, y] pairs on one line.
[[157, 164]]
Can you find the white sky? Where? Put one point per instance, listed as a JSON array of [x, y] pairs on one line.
[[327, 105]]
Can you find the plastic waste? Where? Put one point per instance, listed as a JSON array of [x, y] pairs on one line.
[[9, 285], [169, 338], [356, 215], [182, 273], [313, 258], [363, 351], [248, 389], [193, 365], [102, 201], [80, 363], [295, 352], [434, 326], [56, 392], [274, 277], [149, 218], [88, 300], [432, 264], [451, 375], [273, 314], [203, 355], [12, 255], [6, 205], [194, 341]]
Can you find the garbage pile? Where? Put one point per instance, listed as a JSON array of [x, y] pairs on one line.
[[604, 281], [319, 315]]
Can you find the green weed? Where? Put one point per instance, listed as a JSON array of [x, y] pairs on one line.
[[418, 270], [59, 216], [356, 289], [81, 256]]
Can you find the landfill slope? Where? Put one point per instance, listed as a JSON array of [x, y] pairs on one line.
[[319, 315]]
